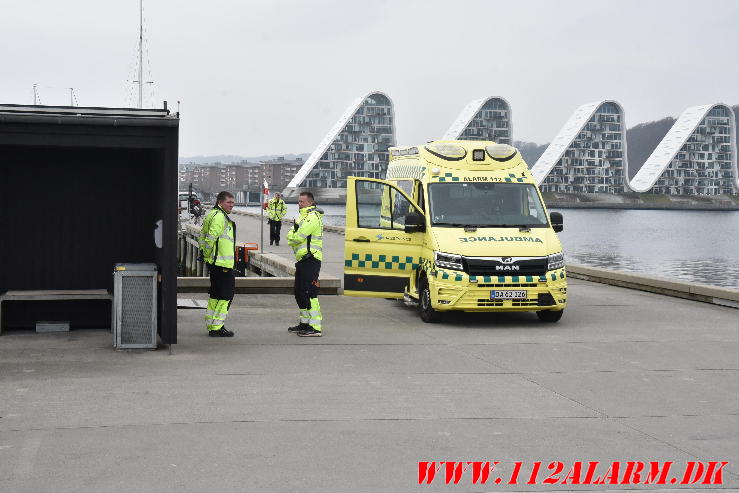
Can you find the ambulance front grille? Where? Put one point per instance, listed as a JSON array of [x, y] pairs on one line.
[[510, 266]]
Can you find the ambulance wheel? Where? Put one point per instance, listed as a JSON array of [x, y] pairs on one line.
[[549, 316], [425, 310]]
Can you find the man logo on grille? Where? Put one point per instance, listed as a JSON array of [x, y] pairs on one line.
[[506, 260]]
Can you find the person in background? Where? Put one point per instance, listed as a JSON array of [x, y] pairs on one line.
[[306, 239], [218, 247], [276, 210]]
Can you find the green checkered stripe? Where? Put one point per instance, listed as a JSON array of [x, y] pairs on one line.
[[514, 279], [458, 276], [512, 176], [448, 177], [453, 276], [371, 261], [508, 279]]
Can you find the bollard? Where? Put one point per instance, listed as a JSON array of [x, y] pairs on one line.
[[183, 249], [194, 262], [198, 263], [190, 259]]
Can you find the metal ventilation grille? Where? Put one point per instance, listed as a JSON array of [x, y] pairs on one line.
[[137, 298]]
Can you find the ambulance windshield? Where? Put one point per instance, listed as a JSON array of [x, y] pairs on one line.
[[486, 205]]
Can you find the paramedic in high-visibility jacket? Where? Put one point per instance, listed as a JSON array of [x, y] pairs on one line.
[[276, 210], [306, 240], [218, 247]]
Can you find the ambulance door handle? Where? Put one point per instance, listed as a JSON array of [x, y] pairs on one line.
[[362, 239]]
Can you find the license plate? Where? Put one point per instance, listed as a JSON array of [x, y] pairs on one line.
[[508, 294]]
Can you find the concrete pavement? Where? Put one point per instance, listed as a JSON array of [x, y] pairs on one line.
[[626, 375]]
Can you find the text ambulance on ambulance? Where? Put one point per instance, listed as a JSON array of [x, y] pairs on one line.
[[457, 225]]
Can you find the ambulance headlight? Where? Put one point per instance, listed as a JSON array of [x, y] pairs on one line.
[[450, 152], [448, 261], [556, 261], [501, 152]]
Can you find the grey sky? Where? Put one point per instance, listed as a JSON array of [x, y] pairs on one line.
[[273, 77]]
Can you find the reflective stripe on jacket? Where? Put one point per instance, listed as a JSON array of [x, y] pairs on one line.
[[276, 209], [217, 238], [308, 229]]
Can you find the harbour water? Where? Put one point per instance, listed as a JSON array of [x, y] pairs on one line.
[[697, 246]]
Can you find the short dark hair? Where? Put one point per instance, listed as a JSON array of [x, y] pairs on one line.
[[309, 195], [223, 196]]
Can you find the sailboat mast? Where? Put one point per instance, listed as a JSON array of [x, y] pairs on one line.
[[141, 52]]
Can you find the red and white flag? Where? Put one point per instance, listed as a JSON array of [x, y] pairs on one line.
[[265, 191]]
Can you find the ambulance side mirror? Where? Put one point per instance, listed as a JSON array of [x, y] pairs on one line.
[[414, 223], [556, 219]]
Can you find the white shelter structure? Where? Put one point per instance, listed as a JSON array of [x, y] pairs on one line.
[[698, 156], [483, 119], [588, 154]]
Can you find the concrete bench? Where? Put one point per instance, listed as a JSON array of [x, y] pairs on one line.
[[53, 295]]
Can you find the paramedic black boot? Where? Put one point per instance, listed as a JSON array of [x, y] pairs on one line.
[[222, 332], [309, 332], [299, 327]]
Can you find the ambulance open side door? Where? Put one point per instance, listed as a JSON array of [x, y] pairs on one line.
[[383, 241]]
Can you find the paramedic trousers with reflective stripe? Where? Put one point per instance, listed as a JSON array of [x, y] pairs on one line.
[[306, 291], [222, 288]]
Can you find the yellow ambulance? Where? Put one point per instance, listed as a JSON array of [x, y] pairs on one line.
[[455, 226]]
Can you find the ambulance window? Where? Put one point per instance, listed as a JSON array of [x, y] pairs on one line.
[[486, 205], [369, 201], [406, 186], [401, 208], [380, 206], [533, 207]]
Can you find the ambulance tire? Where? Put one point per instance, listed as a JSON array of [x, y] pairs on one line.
[[425, 310], [549, 316]]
